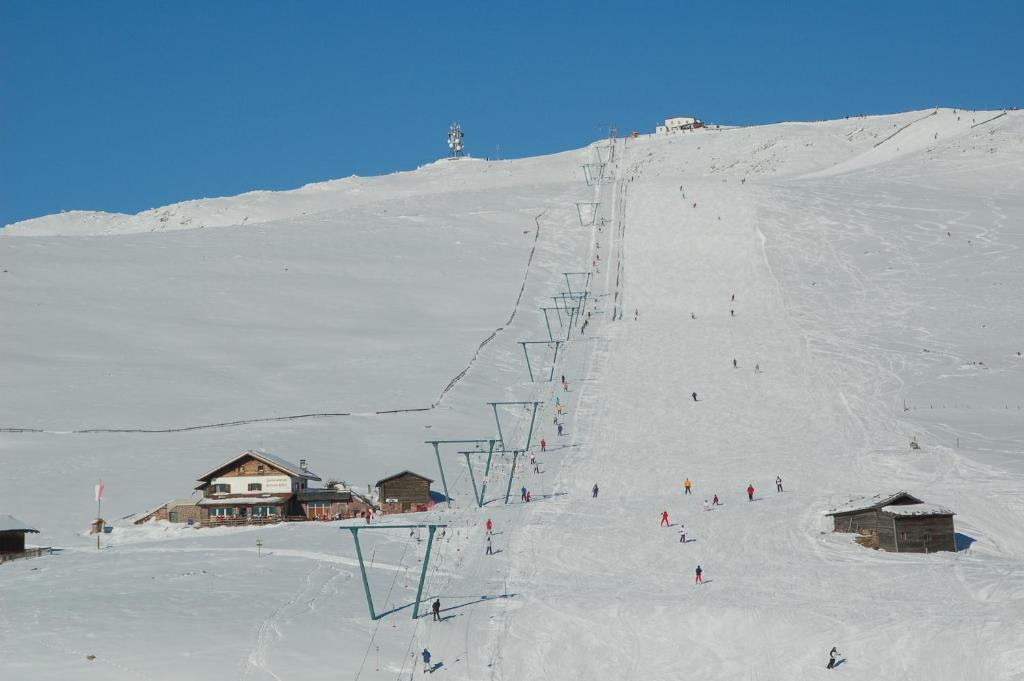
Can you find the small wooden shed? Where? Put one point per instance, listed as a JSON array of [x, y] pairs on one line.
[[404, 492], [898, 522], [12, 535]]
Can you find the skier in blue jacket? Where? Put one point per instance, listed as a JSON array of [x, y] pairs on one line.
[[426, 660]]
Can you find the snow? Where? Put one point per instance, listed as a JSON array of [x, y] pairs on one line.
[[8, 523], [880, 298], [865, 502], [917, 509]]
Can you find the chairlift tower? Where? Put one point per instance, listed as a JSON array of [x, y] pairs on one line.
[[455, 144]]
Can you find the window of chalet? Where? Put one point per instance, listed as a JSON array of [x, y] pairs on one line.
[[265, 510], [222, 512], [255, 487], [222, 488], [260, 468]]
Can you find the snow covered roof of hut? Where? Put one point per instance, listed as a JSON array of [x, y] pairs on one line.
[[8, 523], [864, 503], [917, 509], [267, 458]]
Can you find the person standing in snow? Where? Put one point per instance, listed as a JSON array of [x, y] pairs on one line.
[[426, 661], [686, 486], [757, 368], [437, 610], [664, 519], [595, 490], [778, 482], [734, 363], [543, 445], [750, 492], [714, 500], [682, 534], [833, 656], [694, 395], [489, 526], [698, 579], [732, 313], [490, 549], [559, 428], [522, 493]]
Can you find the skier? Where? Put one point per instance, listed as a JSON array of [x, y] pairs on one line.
[[426, 661], [368, 515], [563, 378], [833, 655], [699, 572], [636, 315], [705, 504], [733, 362], [733, 299], [436, 607], [714, 500], [595, 490], [694, 396], [750, 492], [543, 445], [536, 466], [732, 313], [664, 519], [489, 526], [522, 493], [682, 534], [686, 486], [559, 428], [757, 368], [490, 550], [778, 482], [558, 409], [693, 316], [565, 386]]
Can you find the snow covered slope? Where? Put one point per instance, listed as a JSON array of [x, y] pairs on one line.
[[877, 288]]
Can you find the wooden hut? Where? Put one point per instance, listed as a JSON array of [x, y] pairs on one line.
[[175, 511], [12, 536], [404, 492], [897, 522], [332, 503]]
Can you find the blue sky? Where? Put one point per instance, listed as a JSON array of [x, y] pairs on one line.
[[124, 106]]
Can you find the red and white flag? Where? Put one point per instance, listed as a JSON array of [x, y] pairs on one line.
[[99, 491]]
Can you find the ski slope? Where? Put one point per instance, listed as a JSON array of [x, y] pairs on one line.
[[877, 288]]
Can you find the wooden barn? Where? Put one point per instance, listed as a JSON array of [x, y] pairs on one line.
[[404, 492], [897, 522], [12, 537]]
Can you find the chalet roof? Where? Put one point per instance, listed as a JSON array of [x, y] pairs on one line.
[[267, 458], [269, 500], [917, 510], [401, 475], [876, 502], [8, 523]]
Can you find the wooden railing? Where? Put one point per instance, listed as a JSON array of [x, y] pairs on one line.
[[27, 553]]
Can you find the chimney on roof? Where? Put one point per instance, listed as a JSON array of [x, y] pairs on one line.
[[302, 464]]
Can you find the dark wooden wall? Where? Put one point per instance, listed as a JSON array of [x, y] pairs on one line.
[[408, 489], [925, 534]]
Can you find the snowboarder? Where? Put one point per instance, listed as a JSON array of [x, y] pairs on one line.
[[714, 500], [559, 428], [426, 661], [543, 445], [699, 572], [733, 362], [595, 490], [686, 486], [750, 492], [436, 607], [489, 526], [490, 550], [778, 482], [694, 395], [833, 655], [682, 534], [664, 519]]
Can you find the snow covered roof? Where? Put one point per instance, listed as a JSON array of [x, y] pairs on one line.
[[399, 475], [8, 523], [916, 509], [865, 503], [275, 461], [271, 500]]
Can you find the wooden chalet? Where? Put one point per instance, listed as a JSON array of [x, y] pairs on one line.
[[897, 522], [253, 487], [12, 538], [332, 503], [404, 492]]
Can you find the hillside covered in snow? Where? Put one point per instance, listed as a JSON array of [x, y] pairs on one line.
[[800, 300]]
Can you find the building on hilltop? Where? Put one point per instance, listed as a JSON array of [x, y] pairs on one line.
[[404, 492], [896, 522], [678, 124], [12, 538], [253, 486]]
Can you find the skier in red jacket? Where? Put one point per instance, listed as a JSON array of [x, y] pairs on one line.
[[750, 492], [664, 519], [489, 526]]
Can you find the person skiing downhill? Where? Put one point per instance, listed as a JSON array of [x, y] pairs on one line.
[[490, 549], [595, 490], [426, 660], [714, 500], [833, 655], [750, 492], [522, 493], [543, 445], [694, 395], [489, 526], [698, 579], [436, 607], [778, 482], [682, 534], [686, 486], [705, 504], [734, 366], [559, 428], [664, 519]]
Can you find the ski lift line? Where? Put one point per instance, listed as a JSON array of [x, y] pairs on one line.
[[315, 415]]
